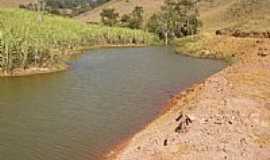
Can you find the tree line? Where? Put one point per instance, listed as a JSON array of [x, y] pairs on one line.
[[176, 18], [134, 20], [64, 7]]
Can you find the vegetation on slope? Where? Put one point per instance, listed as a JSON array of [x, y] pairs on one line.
[[123, 7], [30, 40], [13, 3], [215, 14], [134, 20], [176, 18], [64, 7]]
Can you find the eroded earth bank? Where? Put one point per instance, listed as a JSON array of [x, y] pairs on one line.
[[225, 117]]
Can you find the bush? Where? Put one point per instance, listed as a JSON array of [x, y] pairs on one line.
[[64, 7], [133, 20], [109, 17]]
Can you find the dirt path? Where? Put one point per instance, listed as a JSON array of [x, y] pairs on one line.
[[226, 117]]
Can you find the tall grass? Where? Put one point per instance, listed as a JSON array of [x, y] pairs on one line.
[[31, 39]]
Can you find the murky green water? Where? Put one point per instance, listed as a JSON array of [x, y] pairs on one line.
[[79, 114]]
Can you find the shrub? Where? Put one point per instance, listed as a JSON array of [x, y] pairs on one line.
[[109, 17]]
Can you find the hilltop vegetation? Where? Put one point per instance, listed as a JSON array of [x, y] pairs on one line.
[[176, 18], [29, 39], [63, 7]]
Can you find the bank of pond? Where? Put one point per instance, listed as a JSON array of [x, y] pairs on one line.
[[107, 96], [80, 114], [42, 41]]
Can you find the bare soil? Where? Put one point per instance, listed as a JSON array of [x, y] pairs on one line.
[[226, 117]]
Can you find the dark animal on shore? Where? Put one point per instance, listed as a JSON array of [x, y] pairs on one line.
[[184, 120], [179, 127], [165, 143], [179, 117], [188, 120]]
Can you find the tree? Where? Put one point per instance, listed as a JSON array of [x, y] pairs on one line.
[[57, 4], [133, 20], [125, 19], [177, 18], [109, 17], [65, 7], [136, 20]]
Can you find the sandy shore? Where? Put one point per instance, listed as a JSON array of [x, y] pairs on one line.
[[225, 117]]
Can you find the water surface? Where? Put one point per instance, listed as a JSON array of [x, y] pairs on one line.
[[106, 96]]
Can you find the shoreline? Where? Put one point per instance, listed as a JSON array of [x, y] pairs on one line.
[[34, 71], [149, 142], [19, 72], [181, 96]]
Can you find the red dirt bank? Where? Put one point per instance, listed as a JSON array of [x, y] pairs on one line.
[[230, 115]]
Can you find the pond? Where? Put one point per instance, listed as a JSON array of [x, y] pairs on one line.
[[108, 95]]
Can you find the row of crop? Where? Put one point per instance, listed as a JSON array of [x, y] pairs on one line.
[[33, 39]]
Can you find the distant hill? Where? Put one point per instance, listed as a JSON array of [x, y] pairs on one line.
[[13, 3], [123, 7], [239, 14], [215, 14]]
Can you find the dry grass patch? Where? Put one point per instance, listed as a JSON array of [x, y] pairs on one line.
[[13, 3], [212, 46]]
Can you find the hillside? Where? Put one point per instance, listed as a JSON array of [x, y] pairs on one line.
[[123, 7], [215, 14], [13, 3], [244, 14]]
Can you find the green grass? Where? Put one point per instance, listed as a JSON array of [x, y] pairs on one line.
[[189, 45], [31, 39]]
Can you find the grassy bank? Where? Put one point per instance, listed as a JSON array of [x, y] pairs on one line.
[[206, 45], [29, 39]]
